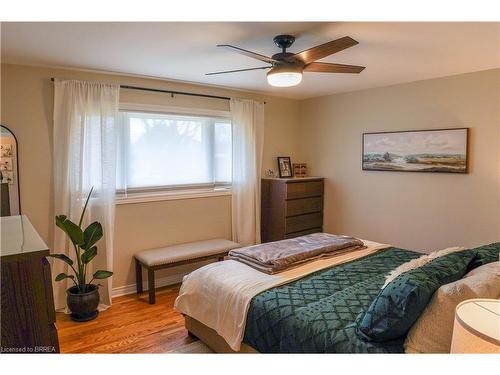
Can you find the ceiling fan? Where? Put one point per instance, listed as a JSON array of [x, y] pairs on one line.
[[287, 68]]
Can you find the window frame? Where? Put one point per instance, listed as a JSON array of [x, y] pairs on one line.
[[168, 192]]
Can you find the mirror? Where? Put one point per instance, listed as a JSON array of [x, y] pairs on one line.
[[9, 174]]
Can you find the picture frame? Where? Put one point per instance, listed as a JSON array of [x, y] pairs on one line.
[[285, 167], [433, 150], [299, 170]]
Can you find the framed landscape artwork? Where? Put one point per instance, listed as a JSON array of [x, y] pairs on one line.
[[440, 150]]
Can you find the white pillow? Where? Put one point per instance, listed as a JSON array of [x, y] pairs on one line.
[[419, 262], [432, 332]]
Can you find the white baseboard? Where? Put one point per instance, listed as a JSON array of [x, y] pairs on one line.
[[164, 281]]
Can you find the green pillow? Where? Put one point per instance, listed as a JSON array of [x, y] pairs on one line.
[[486, 254], [401, 302]]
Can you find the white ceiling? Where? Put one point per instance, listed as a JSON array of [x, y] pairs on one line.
[[392, 52]]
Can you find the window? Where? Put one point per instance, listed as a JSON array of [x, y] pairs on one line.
[[159, 151]]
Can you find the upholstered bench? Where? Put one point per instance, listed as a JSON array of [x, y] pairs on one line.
[[176, 255]]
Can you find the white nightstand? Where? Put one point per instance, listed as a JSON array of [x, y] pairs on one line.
[[477, 327]]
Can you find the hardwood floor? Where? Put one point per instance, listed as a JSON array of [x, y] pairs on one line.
[[130, 325]]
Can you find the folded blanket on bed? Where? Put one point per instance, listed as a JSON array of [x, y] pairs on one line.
[[274, 257]]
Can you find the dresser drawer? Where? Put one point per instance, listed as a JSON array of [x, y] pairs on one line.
[[303, 222], [303, 232], [291, 207], [304, 189], [304, 206]]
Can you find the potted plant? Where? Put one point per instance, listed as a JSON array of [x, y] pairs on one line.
[[83, 297]]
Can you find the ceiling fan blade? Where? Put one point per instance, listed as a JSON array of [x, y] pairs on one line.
[[326, 49], [332, 68], [248, 53], [237, 70]]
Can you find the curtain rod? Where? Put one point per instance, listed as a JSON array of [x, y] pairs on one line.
[[171, 92], [174, 92]]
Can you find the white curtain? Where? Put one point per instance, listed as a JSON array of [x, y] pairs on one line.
[[248, 141], [84, 154]]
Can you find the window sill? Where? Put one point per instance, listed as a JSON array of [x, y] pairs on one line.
[[170, 195]]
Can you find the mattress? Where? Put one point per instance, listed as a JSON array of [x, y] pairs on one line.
[[318, 313]]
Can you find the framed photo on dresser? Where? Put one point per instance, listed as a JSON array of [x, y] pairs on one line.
[[285, 167]]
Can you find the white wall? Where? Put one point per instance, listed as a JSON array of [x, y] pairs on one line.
[[421, 211]]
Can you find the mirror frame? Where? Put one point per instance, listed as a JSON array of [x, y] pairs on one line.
[[17, 168]]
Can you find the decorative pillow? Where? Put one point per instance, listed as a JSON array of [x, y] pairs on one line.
[[486, 254], [432, 332], [418, 262], [401, 302]]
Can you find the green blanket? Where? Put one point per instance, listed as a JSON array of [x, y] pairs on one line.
[[317, 314]]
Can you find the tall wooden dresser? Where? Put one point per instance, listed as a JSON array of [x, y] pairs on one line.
[[27, 304], [291, 207]]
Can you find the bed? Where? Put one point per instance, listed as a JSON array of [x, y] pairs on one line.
[[313, 309]]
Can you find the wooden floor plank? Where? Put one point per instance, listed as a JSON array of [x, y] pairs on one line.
[[130, 325]]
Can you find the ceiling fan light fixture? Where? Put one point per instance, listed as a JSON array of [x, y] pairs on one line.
[[287, 68], [284, 76]]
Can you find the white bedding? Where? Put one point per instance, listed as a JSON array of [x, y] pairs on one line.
[[219, 294]]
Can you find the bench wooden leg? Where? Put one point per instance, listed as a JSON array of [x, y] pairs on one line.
[[151, 286], [138, 276]]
